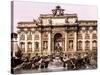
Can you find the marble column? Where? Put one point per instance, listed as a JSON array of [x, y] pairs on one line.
[[83, 42], [33, 42], [52, 43], [49, 42], [90, 41], [26, 42], [65, 41], [40, 42], [75, 42]]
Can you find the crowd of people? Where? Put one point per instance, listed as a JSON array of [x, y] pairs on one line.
[[43, 62]]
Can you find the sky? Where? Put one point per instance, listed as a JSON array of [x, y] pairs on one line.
[[28, 10]]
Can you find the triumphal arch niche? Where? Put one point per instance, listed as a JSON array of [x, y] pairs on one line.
[[62, 31]]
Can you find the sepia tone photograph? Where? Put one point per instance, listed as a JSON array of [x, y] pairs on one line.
[[52, 37]]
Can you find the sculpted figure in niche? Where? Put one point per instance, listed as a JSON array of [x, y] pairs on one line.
[[58, 47], [50, 21]]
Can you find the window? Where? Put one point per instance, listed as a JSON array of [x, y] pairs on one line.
[[22, 37], [29, 36], [83, 28], [71, 44], [94, 36], [29, 46], [94, 45], [45, 44], [87, 45], [87, 36], [91, 29], [45, 35], [79, 36], [22, 45], [36, 45], [36, 37], [79, 45]]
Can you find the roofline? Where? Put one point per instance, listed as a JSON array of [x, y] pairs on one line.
[[26, 22], [87, 20]]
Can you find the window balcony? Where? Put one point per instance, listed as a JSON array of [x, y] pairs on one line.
[[29, 50], [79, 49], [79, 37], [94, 48], [87, 48]]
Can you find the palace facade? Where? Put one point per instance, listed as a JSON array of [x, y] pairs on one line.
[[57, 32]]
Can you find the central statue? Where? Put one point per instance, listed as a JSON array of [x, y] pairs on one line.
[[58, 47]]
